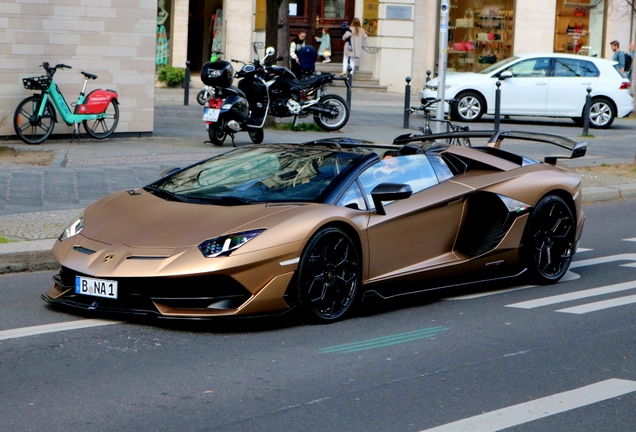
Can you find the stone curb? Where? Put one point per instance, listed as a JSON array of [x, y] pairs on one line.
[[36, 255]]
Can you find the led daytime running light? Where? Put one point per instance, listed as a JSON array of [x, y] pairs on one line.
[[225, 245]]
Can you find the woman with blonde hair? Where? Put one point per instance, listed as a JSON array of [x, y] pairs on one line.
[[353, 45]]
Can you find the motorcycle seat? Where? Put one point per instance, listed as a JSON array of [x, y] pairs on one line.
[[235, 90], [318, 79]]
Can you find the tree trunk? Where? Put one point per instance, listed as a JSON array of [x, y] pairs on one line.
[[271, 22], [282, 48]]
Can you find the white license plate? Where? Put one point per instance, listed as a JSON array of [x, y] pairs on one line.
[[96, 287], [211, 114]]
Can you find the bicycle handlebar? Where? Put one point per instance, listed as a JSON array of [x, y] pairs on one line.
[[51, 70]]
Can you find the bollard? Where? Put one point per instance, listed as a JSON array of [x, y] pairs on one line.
[[349, 80], [497, 105], [407, 102], [186, 84], [428, 75], [586, 112]]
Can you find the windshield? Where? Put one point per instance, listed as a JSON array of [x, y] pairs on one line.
[[494, 67], [261, 174]]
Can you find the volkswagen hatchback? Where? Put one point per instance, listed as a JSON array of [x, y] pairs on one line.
[[547, 85]]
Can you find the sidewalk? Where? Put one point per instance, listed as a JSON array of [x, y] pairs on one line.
[[34, 221]]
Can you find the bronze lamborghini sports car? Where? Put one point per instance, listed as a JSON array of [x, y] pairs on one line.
[[318, 226]]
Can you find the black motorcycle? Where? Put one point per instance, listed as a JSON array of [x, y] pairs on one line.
[[264, 88]]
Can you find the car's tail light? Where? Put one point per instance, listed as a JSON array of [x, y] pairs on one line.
[[215, 103], [624, 86]]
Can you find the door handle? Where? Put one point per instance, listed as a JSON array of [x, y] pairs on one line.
[[586, 83], [542, 83]]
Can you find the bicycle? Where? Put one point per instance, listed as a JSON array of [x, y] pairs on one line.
[[450, 127], [36, 115]]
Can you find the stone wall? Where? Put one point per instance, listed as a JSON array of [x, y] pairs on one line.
[[113, 39]]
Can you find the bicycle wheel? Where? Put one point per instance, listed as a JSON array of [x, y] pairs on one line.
[[27, 126], [102, 128]]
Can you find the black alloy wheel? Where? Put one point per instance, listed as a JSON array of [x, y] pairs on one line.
[[329, 275], [548, 244], [216, 134]]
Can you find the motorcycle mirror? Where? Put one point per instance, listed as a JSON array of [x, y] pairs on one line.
[[270, 51], [280, 58]]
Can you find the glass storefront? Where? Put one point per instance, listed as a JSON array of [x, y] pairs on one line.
[[479, 34], [579, 27]]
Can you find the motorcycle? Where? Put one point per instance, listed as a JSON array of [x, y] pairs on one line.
[[264, 88]]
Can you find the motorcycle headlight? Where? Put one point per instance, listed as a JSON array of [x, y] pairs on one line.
[[74, 228], [225, 245]]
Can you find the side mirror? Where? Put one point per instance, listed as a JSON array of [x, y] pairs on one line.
[[505, 74], [389, 192], [269, 51], [169, 171]]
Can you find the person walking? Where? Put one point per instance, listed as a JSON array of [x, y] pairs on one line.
[[353, 50], [619, 56], [296, 45], [324, 49]]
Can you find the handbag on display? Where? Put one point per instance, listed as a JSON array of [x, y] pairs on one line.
[[482, 37], [579, 12], [467, 21], [571, 27], [487, 57]]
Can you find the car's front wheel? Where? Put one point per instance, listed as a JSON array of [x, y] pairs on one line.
[[329, 275], [548, 242], [470, 107], [602, 113]]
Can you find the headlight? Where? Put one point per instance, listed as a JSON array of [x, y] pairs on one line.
[[225, 245], [74, 228]]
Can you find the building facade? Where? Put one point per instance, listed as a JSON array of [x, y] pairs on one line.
[[125, 42]]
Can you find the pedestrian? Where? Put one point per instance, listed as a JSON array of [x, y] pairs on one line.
[[619, 56], [324, 49], [631, 54], [296, 45], [352, 50]]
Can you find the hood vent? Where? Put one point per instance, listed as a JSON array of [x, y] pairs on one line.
[[83, 250]]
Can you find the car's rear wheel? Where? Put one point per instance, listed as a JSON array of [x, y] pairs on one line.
[[470, 107], [602, 113], [548, 242], [329, 275]]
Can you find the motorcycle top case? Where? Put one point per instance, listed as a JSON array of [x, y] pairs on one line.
[[97, 101], [217, 74]]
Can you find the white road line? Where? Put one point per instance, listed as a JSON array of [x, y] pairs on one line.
[[529, 411], [596, 306], [604, 260], [579, 250], [630, 239], [51, 328], [576, 295]]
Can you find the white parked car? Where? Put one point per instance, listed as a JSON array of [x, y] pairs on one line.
[[549, 85]]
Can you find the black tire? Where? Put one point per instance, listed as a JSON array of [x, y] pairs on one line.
[[216, 134], [548, 242], [30, 130], [602, 113], [201, 97], [329, 275], [470, 107], [104, 127], [339, 113], [257, 136]]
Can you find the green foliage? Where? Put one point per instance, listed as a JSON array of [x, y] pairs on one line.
[[299, 127], [5, 240], [171, 75]]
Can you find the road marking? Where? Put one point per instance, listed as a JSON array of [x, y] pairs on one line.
[[633, 239], [579, 250], [596, 306], [51, 328], [529, 411], [604, 260], [384, 341], [576, 295]]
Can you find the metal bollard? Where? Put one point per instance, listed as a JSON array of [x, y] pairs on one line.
[[497, 105], [186, 84], [586, 112], [349, 81], [428, 75], [407, 102]]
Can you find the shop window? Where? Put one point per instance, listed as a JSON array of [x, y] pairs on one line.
[[479, 33], [579, 27], [297, 8], [370, 17]]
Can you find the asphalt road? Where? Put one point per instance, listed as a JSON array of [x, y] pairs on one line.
[[493, 357]]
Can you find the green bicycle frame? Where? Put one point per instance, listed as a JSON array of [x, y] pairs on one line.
[[60, 104]]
